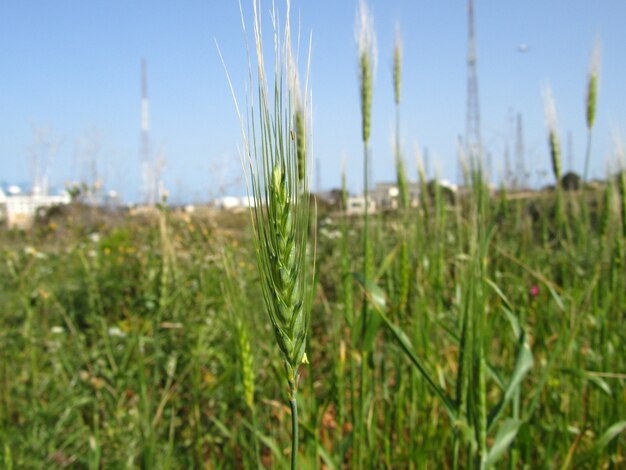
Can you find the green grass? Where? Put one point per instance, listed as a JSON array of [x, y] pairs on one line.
[[112, 359], [474, 332]]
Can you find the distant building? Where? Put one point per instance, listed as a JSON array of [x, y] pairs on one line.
[[233, 202], [356, 205], [19, 210], [386, 196]]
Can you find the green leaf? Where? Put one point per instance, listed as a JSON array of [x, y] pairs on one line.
[[377, 298], [493, 373], [523, 364], [270, 443], [557, 298], [498, 291], [504, 437], [507, 308], [311, 433], [388, 261], [407, 347], [373, 324], [226, 432], [513, 321], [609, 435], [590, 377], [374, 293]]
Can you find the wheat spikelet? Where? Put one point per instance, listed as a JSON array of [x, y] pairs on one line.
[[403, 190], [278, 183], [247, 368], [403, 187], [366, 41], [555, 155], [279, 197], [553, 138], [592, 92], [282, 261], [592, 85], [232, 290], [397, 65], [300, 135]]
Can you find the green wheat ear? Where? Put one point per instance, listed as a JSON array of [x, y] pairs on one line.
[[592, 92], [366, 42], [592, 85], [301, 143], [397, 66], [276, 167], [555, 154], [592, 98], [553, 138]]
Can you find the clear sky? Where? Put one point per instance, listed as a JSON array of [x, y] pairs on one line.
[[73, 68]]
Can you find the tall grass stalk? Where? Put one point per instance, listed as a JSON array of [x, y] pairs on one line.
[[402, 266], [233, 291], [366, 42], [555, 154], [622, 198], [403, 192], [278, 185], [621, 184], [591, 101]]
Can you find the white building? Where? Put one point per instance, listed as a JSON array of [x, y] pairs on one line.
[[356, 205], [234, 202], [19, 210], [386, 196]]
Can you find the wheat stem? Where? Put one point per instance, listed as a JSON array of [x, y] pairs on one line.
[[294, 430]]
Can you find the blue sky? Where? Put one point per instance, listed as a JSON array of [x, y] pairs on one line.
[[73, 67]]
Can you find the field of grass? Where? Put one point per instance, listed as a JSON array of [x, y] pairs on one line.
[[145, 342], [479, 330]]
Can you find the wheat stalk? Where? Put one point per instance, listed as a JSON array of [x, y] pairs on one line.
[[366, 42], [553, 138], [232, 290], [555, 149], [397, 66], [621, 184], [397, 82], [402, 266], [592, 93], [276, 172]]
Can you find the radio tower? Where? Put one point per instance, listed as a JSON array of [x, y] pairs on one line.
[[473, 145], [147, 190]]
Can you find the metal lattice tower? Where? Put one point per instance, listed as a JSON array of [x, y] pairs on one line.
[[473, 143], [147, 181]]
